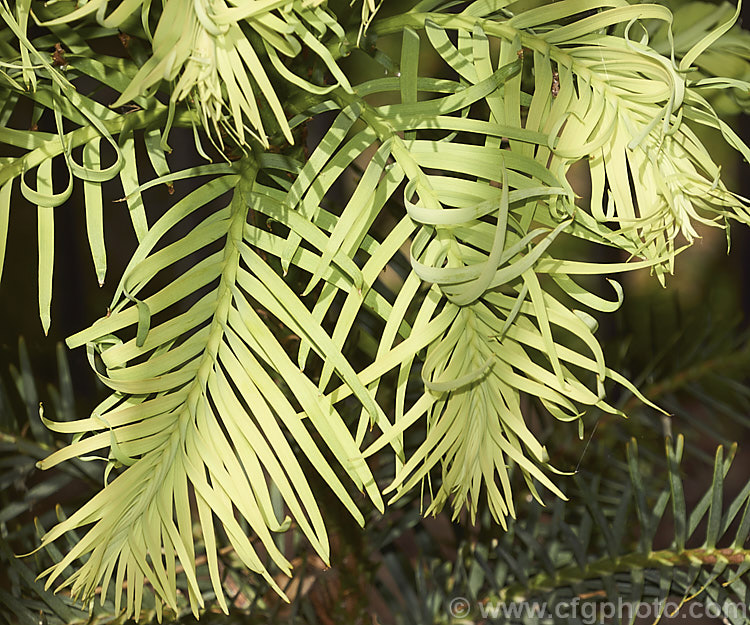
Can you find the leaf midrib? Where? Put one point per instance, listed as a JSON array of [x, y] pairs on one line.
[[237, 220]]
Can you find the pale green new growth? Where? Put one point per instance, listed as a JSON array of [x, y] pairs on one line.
[[458, 160]]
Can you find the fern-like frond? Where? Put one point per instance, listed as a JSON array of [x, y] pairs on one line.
[[205, 47], [611, 100], [198, 409], [479, 221], [471, 212]]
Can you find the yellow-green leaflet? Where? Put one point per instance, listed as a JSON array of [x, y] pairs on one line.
[[5, 198]]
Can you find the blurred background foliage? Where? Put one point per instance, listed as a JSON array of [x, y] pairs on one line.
[[686, 346]]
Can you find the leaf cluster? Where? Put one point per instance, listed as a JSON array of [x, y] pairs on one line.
[[301, 309]]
